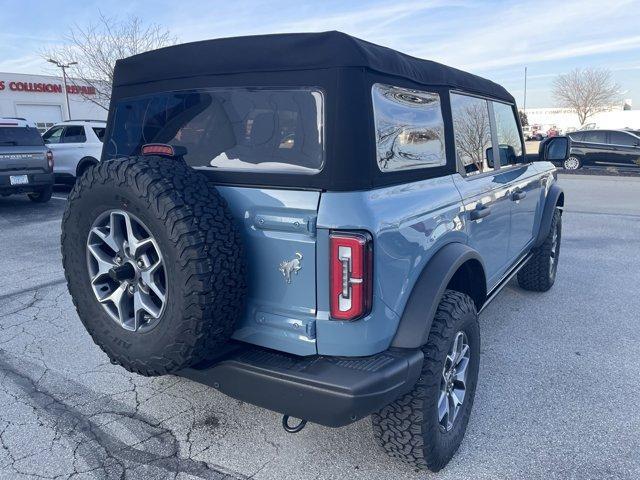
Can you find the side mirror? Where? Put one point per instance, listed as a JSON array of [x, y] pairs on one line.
[[554, 149], [506, 153]]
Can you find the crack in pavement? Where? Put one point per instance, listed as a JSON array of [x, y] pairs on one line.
[[96, 446], [51, 283]]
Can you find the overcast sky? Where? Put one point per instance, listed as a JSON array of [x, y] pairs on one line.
[[492, 39]]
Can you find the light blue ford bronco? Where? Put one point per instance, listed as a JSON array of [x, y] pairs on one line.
[[311, 223]]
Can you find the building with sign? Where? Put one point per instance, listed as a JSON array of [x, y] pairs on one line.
[[41, 99]]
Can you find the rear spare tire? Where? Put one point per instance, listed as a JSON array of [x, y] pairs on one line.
[[154, 263]]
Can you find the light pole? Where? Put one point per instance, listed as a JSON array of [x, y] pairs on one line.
[[524, 106], [64, 67]]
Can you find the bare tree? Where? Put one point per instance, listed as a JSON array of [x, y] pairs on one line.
[[472, 134], [96, 48], [587, 91]]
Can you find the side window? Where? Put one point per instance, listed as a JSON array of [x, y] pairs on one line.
[[472, 132], [594, 136], [577, 136], [53, 135], [509, 142], [409, 128], [621, 138], [99, 131], [74, 134]]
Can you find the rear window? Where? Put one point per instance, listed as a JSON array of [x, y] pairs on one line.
[[239, 129], [20, 137]]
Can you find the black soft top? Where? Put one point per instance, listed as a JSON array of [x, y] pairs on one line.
[[294, 51], [344, 67]]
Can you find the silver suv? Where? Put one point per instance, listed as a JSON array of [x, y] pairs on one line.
[[77, 145]]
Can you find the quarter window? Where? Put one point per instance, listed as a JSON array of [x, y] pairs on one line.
[[621, 138], [409, 128], [472, 132], [509, 142]]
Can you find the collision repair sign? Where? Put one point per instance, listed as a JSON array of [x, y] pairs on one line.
[[38, 87]]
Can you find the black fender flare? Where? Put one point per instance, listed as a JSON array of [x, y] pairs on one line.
[[419, 312], [555, 196], [85, 161]]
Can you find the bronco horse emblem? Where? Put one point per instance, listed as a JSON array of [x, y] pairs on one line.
[[292, 266]]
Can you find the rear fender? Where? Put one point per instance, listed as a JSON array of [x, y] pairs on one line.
[[421, 307], [555, 197]]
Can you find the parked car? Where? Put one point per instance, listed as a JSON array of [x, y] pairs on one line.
[[538, 132], [77, 145], [313, 233], [603, 148], [26, 164]]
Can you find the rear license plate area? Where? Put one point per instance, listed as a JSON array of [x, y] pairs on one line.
[[18, 179]]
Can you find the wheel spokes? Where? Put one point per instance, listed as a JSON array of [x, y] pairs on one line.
[[119, 239], [453, 384], [103, 261], [443, 406]]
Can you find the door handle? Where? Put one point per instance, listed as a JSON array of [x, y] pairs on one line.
[[518, 195], [479, 212]]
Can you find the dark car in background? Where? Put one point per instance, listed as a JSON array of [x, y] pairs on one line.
[[26, 164], [604, 148]]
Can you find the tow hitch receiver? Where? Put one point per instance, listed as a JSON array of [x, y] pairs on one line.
[[289, 428]]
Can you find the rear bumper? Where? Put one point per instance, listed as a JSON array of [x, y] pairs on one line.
[[36, 182], [331, 391]]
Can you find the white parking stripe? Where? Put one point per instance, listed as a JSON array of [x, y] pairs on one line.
[[60, 198]]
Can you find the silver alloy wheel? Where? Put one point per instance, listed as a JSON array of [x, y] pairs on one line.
[[453, 383], [553, 263], [127, 271], [572, 163]]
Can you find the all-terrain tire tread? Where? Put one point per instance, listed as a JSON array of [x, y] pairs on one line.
[[399, 427], [534, 275], [210, 252]]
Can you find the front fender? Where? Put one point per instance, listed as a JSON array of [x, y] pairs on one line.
[[416, 320]]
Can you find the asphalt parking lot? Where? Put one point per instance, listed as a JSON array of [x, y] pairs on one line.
[[558, 393]]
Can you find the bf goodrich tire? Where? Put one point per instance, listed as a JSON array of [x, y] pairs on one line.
[[539, 273], [154, 263], [420, 428]]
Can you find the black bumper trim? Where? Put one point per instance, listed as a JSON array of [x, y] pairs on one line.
[[331, 391], [36, 181]]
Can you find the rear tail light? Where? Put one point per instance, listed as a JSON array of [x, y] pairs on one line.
[[351, 266], [50, 159]]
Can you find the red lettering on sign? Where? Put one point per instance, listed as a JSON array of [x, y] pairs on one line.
[[47, 88]]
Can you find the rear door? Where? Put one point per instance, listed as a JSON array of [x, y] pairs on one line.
[[237, 130], [595, 148], [483, 189], [279, 230], [625, 150], [522, 179]]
